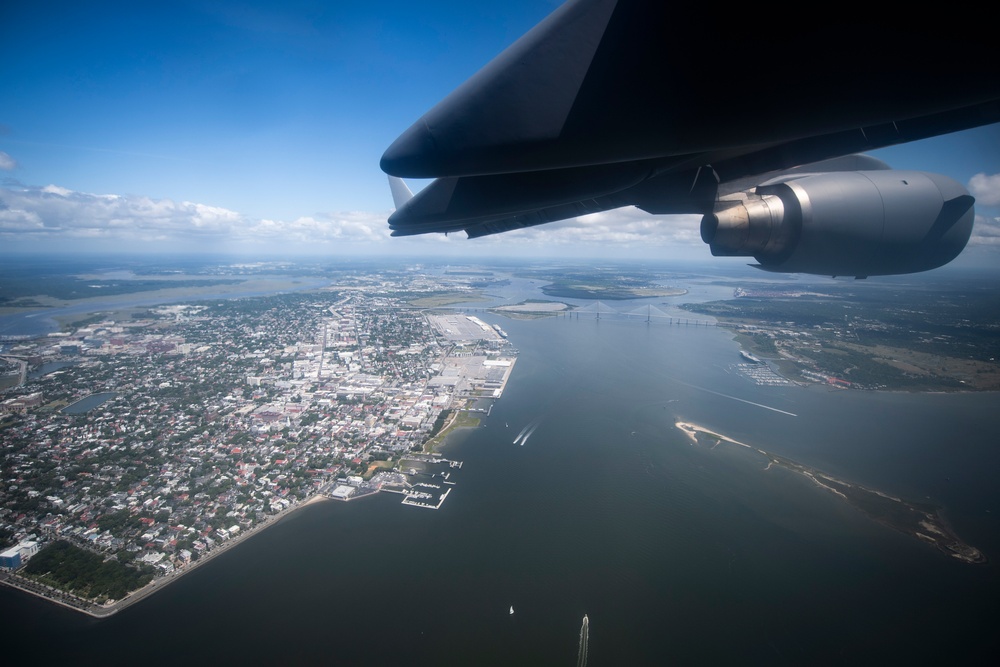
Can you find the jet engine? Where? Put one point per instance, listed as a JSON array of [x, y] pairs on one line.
[[860, 223]]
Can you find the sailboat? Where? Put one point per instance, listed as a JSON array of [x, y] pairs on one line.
[[512, 610]]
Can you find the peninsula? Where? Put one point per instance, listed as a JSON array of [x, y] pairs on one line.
[[223, 416]]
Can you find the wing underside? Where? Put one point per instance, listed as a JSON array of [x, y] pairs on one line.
[[612, 103]]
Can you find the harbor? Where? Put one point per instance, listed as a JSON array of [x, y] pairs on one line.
[[412, 479], [426, 499]]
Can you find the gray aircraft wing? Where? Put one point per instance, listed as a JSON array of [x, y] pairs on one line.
[[675, 108]]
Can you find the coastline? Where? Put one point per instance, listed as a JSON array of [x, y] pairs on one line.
[[99, 611], [441, 438], [70, 601]]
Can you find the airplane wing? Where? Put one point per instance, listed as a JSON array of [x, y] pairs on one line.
[[674, 108]]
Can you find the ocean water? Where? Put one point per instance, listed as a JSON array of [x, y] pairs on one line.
[[679, 554]]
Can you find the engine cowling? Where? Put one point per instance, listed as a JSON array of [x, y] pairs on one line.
[[860, 223]]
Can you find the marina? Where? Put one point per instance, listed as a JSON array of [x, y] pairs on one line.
[[758, 371], [424, 499], [761, 374], [425, 493]]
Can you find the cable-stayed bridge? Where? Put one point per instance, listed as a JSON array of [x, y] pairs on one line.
[[601, 310]]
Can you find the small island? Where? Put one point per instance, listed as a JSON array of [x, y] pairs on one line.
[[918, 520], [531, 309]]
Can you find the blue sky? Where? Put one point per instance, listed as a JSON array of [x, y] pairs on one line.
[[251, 127]]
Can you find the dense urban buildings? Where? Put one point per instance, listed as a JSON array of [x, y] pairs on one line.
[[156, 440]]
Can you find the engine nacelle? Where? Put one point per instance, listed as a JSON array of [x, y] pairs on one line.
[[858, 223]]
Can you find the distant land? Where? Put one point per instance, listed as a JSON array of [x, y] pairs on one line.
[[616, 283], [575, 290], [881, 336]]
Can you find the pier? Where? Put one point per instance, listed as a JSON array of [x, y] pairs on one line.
[[415, 499]]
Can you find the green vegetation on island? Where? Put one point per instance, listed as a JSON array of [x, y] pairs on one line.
[[597, 283], [610, 292]]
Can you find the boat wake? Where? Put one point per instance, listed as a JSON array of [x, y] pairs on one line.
[[526, 432], [741, 400], [581, 656]]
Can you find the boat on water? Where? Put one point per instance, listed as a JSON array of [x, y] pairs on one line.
[[512, 610]]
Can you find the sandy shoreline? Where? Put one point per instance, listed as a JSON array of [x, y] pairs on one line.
[[692, 430], [70, 601]]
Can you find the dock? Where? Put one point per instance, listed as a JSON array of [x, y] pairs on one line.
[[417, 498]]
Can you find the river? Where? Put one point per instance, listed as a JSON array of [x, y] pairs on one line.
[[39, 322], [88, 403]]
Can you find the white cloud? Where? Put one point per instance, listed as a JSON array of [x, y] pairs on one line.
[[985, 232], [17, 220], [986, 189], [56, 190], [325, 228], [7, 163], [621, 229], [53, 213]]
